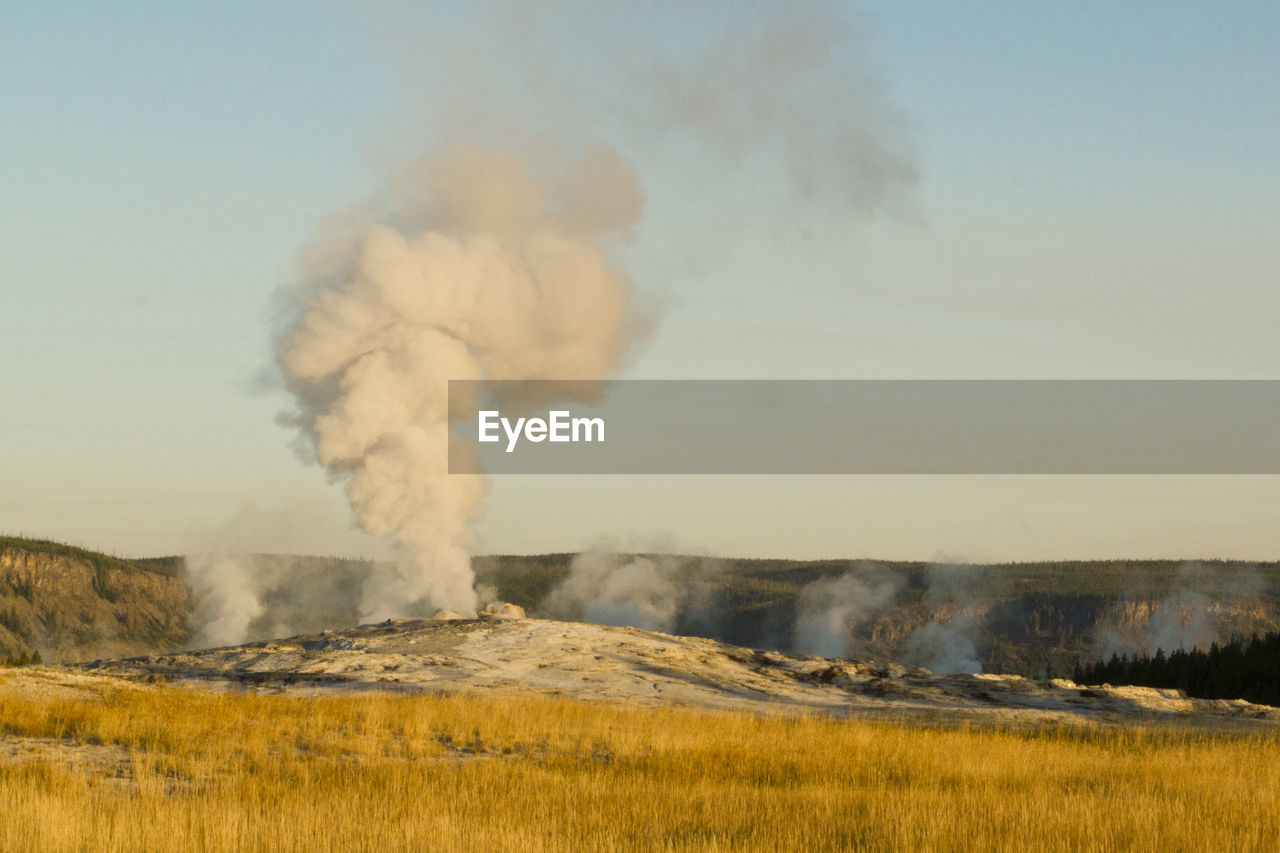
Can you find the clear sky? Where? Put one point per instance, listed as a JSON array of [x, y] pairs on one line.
[[1098, 196]]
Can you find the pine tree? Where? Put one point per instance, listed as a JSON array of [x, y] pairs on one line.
[[1238, 670]]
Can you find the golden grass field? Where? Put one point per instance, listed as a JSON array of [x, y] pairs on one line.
[[167, 768]]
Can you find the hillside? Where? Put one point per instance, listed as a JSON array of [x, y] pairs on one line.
[[72, 604]]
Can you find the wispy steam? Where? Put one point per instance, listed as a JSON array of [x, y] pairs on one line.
[[831, 611], [946, 645], [791, 83], [228, 597], [243, 593], [836, 616], [1196, 614], [649, 592]]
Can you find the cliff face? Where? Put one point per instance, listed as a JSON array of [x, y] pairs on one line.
[[1184, 619], [71, 604]]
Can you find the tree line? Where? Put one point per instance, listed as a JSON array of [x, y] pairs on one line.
[[1241, 669]]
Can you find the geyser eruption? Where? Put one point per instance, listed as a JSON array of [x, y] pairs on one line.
[[479, 264], [471, 268]]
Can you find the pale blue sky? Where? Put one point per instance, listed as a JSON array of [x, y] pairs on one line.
[[1098, 196]]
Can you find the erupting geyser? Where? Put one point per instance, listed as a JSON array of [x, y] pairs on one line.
[[470, 269]]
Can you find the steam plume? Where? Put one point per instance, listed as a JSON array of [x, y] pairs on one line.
[[835, 616], [473, 265], [475, 270], [1197, 613], [224, 584], [946, 644], [649, 592], [831, 611], [243, 593]]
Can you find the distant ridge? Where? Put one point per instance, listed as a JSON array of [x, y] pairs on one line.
[[1037, 619]]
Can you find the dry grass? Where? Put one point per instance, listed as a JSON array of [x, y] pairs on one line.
[[204, 770]]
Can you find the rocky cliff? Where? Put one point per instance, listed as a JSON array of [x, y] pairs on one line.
[[71, 604]]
